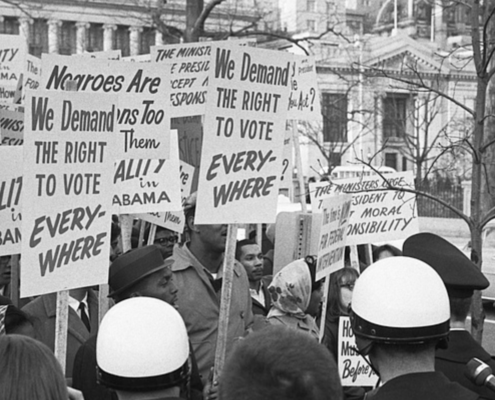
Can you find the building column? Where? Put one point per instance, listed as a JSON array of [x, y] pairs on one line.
[[439, 33], [24, 28], [108, 36], [134, 39], [53, 29], [158, 38], [81, 36]]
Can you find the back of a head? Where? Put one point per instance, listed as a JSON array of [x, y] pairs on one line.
[[29, 370], [277, 363], [142, 346]]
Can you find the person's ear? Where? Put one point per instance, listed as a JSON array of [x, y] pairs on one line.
[[190, 224]]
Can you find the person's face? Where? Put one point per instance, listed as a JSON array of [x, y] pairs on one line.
[[115, 248], [161, 286], [252, 259], [346, 285], [5, 270], [166, 239], [315, 302], [213, 237]]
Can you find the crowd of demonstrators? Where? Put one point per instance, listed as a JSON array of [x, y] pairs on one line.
[[5, 277], [404, 329]]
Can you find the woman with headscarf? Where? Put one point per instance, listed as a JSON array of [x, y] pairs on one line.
[[296, 298]]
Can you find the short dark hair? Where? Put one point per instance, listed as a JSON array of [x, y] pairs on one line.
[[386, 247], [240, 244], [279, 363], [459, 308]]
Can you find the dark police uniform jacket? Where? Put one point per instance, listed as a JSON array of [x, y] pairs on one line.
[[452, 361], [421, 386]]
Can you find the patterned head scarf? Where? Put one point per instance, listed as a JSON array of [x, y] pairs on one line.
[[3, 312], [290, 289]]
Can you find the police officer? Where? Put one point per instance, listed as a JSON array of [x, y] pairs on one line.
[[142, 350], [461, 277], [400, 313]]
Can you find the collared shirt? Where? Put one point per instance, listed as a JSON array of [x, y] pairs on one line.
[[74, 304], [259, 295]]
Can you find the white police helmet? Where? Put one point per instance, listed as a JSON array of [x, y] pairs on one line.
[[399, 300], [142, 345]]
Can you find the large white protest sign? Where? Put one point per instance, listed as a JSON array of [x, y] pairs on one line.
[[244, 132], [67, 191], [354, 370], [10, 199], [12, 64], [377, 214], [143, 117], [11, 106], [334, 222], [287, 162], [146, 58], [148, 185], [11, 128], [304, 101]]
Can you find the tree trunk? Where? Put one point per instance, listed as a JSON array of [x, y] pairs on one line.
[[193, 11]]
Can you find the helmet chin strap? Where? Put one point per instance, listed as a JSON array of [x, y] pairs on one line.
[[363, 353]]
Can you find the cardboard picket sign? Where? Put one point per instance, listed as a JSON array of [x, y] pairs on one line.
[[304, 100], [31, 76], [142, 186], [376, 215], [146, 58], [143, 117], [353, 368], [173, 220], [244, 132], [333, 232], [11, 106], [11, 128], [10, 199], [287, 162], [67, 180], [102, 55], [13, 50]]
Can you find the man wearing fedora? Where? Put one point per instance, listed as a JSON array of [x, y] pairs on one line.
[[198, 274], [139, 272], [461, 278]]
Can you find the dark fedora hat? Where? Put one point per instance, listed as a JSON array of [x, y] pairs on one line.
[[133, 266]]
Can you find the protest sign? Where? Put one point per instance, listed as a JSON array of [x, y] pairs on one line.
[[10, 199], [12, 64], [188, 65], [377, 214], [334, 222], [102, 55], [148, 185], [243, 135], [11, 106], [11, 128], [353, 368], [304, 100], [143, 118], [140, 58], [67, 178], [287, 163], [190, 130]]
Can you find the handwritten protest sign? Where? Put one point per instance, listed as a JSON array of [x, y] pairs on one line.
[[148, 185], [11, 128], [31, 76], [190, 130], [12, 64], [143, 119], [243, 135], [11, 106], [353, 368], [67, 178], [336, 211], [10, 199], [287, 162], [304, 101], [376, 215]]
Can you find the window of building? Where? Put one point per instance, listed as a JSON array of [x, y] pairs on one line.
[[391, 160], [67, 38], [334, 109], [330, 8], [9, 26], [147, 39], [404, 163], [311, 25], [121, 40], [394, 116], [38, 37], [94, 38], [311, 5]]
